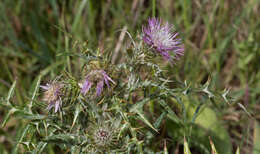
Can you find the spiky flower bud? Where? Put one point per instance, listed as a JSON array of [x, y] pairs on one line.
[[52, 95], [98, 77], [103, 136]]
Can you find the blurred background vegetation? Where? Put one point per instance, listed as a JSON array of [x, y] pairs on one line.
[[221, 37]]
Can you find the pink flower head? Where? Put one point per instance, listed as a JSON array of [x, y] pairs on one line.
[[96, 76], [52, 95], [161, 38]]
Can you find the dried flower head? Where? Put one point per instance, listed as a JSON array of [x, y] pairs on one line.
[[52, 95], [161, 38], [96, 76]]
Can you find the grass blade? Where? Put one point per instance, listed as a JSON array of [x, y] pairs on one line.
[[213, 149], [186, 147]]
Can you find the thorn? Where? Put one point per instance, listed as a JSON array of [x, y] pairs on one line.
[[224, 95]]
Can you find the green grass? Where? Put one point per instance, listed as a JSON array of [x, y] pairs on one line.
[[221, 44]]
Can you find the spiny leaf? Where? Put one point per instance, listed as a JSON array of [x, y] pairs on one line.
[[206, 90], [25, 131], [76, 114], [144, 119], [224, 95], [171, 113], [139, 105], [179, 101], [159, 120], [187, 88], [32, 116], [63, 138], [196, 112], [122, 129], [39, 148], [12, 111]]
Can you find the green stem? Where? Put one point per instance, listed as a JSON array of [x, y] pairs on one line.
[[67, 49], [154, 7]]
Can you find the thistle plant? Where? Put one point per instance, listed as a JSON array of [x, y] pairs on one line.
[[133, 103]]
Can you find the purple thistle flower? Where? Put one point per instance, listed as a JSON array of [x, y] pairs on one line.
[[161, 38], [86, 86], [52, 95], [99, 88], [96, 76]]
